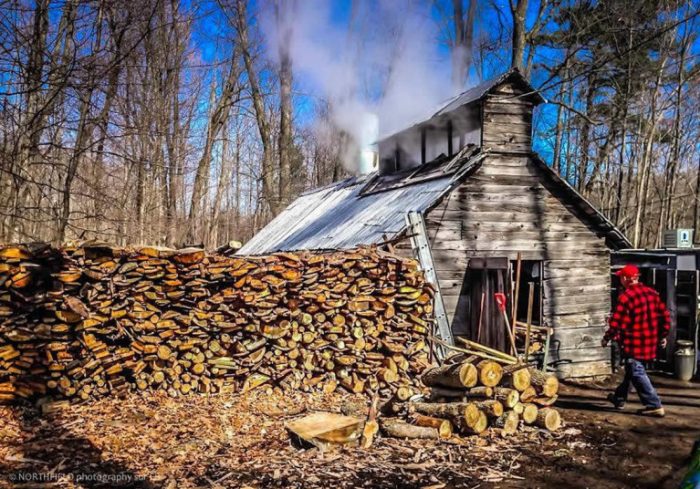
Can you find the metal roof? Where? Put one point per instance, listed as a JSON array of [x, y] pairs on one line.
[[477, 93], [351, 213], [341, 216]]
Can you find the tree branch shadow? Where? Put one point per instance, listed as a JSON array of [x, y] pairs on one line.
[[50, 454]]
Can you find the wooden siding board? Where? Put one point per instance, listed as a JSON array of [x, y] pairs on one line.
[[584, 369], [506, 208]]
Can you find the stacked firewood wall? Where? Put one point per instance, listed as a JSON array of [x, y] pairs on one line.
[[91, 320]]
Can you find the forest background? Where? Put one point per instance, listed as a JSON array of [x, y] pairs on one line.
[[195, 122]]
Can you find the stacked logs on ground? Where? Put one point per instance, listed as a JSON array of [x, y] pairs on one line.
[[90, 320], [473, 393]]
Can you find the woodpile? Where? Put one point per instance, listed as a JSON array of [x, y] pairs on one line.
[[91, 320], [470, 393]]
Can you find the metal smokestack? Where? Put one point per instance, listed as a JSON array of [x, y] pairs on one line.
[[367, 144]]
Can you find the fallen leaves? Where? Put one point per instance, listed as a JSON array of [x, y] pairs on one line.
[[236, 441]]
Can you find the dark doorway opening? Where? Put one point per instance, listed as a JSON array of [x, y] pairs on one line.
[[477, 316], [531, 272]]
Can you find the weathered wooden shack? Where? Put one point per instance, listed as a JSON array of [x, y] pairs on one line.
[[465, 193]]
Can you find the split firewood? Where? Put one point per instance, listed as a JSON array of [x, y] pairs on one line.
[[528, 394], [95, 320], [545, 384], [443, 426], [371, 427], [404, 393], [507, 422], [548, 418], [509, 397], [529, 413], [518, 408], [397, 428]]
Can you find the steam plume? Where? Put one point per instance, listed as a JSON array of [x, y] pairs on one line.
[[383, 60]]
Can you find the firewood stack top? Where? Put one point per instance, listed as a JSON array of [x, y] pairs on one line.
[[91, 320]]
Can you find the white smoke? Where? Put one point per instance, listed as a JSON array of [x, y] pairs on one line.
[[384, 61]]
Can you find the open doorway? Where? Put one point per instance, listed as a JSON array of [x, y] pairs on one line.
[[531, 272], [477, 316]]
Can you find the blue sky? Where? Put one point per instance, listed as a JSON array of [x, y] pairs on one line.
[[210, 40]]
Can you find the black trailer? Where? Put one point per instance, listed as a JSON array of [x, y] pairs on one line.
[[675, 274]]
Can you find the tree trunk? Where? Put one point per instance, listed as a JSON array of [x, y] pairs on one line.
[[645, 164], [224, 180], [218, 118], [519, 10], [585, 136], [285, 144], [268, 188], [461, 55]]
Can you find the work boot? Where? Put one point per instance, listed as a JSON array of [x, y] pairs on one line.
[[615, 402], [656, 412]]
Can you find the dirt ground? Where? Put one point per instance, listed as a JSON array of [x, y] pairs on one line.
[[239, 441], [623, 450]]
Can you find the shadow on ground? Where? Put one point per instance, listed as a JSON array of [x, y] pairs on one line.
[[48, 454]]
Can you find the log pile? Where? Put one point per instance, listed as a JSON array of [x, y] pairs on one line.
[[472, 392], [86, 321]]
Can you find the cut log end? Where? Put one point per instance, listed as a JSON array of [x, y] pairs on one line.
[[517, 377], [529, 414], [443, 426], [490, 373], [508, 423], [548, 418], [509, 397]]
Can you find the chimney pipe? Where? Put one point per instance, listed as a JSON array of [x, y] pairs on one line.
[[369, 133]]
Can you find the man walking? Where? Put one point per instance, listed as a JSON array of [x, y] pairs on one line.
[[639, 324]]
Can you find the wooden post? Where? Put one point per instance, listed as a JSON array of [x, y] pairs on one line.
[[530, 299], [516, 293], [449, 138], [481, 313]]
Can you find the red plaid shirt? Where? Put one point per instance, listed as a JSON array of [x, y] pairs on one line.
[[639, 322]]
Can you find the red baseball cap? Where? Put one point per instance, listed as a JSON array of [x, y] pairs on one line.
[[628, 271]]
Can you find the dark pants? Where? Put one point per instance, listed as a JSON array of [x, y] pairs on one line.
[[636, 374]]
